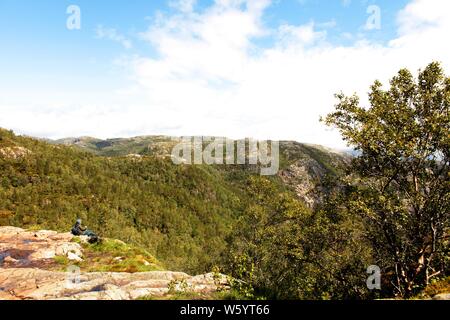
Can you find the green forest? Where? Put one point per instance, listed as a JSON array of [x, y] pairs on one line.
[[388, 205]]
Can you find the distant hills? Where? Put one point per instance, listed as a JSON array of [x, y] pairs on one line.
[[149, 145], [302, 165]]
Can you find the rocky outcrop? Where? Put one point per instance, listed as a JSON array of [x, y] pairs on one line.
[[302, 176], [37, 284], [306, 168], [14, 152], [35, 249], [27, 273]]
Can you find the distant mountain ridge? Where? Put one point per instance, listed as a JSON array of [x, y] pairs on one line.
[[302, 165], [144, 144]]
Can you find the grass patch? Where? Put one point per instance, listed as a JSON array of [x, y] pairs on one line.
[[76, 240], [62, 260], [115, 256], [34, 227]]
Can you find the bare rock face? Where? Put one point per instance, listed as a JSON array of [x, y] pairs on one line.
[[15, 152], [36, 284], [300, 177], [307, 166], [20, 248], [24, 273]]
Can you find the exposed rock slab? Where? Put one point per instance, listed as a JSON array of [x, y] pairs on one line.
[[37, 284], [24, 274], [20, 248]]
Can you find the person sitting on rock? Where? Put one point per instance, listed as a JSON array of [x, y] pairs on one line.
[[79, 230]]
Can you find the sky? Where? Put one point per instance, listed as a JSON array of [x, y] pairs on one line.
[[266, 69]]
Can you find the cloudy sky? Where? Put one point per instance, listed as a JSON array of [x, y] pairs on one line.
[[235, 68]]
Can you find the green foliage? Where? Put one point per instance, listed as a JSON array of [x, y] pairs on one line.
[[242, 281], [178, 287], [116, 256], [391, 209], [180, 214], [62, 260], [282, 250], [401, 179]]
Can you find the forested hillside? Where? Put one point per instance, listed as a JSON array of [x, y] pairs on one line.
[[182, 214], [302, 166]]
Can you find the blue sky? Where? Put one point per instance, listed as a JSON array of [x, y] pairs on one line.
[[39, 25], [137, 67]]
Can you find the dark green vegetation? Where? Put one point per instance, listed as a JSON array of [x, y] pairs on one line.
[[390, 207], [308, 233], [182, 214], [285, 251], [401, 180], [145, 145]]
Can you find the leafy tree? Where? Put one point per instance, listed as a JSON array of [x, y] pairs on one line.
[[401, 175], [282, 250]]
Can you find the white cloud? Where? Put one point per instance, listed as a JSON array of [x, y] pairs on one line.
[[112, 34], [303, 35], [210, 74], [209, 77], [183, 5], [420, 15]]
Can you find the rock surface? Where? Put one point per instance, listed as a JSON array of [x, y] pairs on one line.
[[24, 273], [442, 296], [14, 152], [37, 284], [35, 249], [307, 167]]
